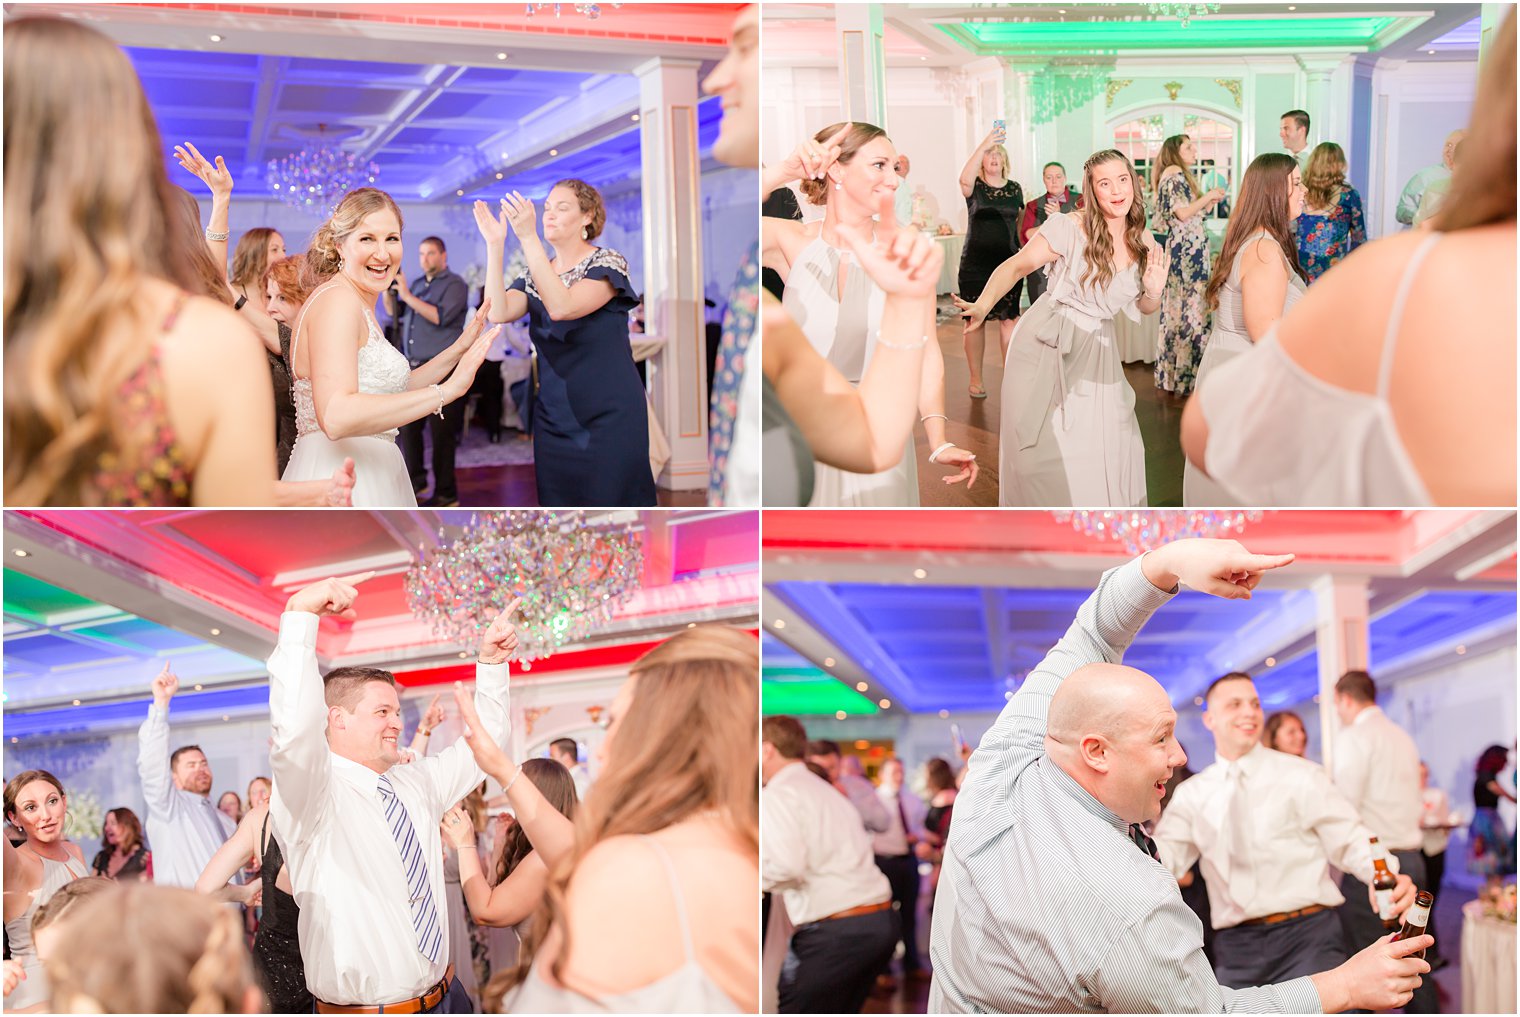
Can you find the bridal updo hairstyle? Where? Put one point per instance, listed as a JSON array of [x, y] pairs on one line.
[[590, 200], [322, 255], [817, 191]]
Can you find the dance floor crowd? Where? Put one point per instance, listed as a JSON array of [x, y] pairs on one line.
[[1317, 361]]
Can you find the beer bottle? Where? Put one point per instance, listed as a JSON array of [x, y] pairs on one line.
[[1417, 918], [1383, 883]]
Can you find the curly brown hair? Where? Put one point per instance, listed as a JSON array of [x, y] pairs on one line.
[[590, 200], [860, 135], [1324, 175]]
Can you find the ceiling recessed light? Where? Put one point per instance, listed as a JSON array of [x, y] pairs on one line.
[[14, 740], [1007, 695], [861, 686], [1461, 650], [920, 574], [554, 151], [635, 117], [1431, 52], [463, 655], [1063, 10], [886, 704], [1271, 661], [501, 56], [498, 176], [778, 623], [840, 715], [691, 625], [216, 632], [215, 37], [19, 553], [199, 688], [828, 661], [459, 194], [76, 702], [944, 715], [1197, 700], [923, 58], [225, 717], [1291, 7]]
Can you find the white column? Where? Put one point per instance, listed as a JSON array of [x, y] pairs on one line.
[[673, 293], [1317, 98], [1341, 639], [862, 64]]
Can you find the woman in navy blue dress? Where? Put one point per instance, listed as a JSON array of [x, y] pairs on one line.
[[590, 417]]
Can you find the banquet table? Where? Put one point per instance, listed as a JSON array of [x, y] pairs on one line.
[[1488, 962], [952, 245]]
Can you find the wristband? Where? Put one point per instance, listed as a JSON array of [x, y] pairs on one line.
[[215, 237]]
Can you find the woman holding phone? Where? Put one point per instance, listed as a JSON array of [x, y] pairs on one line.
[[994, 205]]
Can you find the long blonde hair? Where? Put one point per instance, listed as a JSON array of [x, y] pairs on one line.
[[141, 948], [323, 257], [81, 235], [1100, 243], [687, 745], [1002, 154]]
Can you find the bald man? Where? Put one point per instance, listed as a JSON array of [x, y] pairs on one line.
[[1409, 199], [1051, 899]]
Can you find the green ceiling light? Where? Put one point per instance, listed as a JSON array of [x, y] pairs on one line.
[[36, 600], [995, 38], [809, 692]]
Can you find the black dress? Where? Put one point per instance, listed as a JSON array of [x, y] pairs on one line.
[[137, 868], [590, 417], [276, 948], [284, 401], [992, 237]]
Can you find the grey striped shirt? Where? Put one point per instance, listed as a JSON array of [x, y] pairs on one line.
[[1045, 905]]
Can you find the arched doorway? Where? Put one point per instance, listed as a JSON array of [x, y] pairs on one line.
[[1138, 133]]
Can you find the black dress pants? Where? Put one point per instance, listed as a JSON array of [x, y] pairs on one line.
[[442, 430], [831, 965]]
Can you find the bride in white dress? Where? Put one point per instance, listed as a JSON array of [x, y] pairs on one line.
[[352, 389]]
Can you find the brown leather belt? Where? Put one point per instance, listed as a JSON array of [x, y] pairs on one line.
[[864, 909], [1283, 916], [416, 1004]]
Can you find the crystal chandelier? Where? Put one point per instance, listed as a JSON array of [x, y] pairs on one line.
[[570, 573], [1183, 12], [592, 11], [1064, 86], [1145, 530], [315, 178]]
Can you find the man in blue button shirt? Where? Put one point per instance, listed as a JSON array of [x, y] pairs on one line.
[[436, 304]]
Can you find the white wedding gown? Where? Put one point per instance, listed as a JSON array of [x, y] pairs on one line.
[[380, 476]]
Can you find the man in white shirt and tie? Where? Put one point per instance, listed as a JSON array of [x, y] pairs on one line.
[[1264, 824], [895, 857], [185, 827], [1051, 899], [1377, 767], [360, 833], [815, 854]]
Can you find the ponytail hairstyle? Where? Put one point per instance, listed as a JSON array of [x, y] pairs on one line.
[[323, 257]]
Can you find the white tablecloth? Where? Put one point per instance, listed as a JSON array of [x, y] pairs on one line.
[[644, 347], [1488, 962], [951, 245]]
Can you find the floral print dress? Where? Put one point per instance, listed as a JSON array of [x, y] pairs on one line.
[[1326, 237], [1184, 317]]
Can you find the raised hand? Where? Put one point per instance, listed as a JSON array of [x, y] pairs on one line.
[[217, 177], [488, 755], [340, 494], [499, 641], [904, 261], [475, 325], [165, 685], [520, 215], [329, 597], [973, 313], [457, 830], [812, 159], [494, 230], [1153, 281], [1223, 568], [433, 715]]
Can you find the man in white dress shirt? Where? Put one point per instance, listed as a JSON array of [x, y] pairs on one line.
[[1264, 824], [815, 854], [566, 753], [1050, 899], [360, 833], [184, 825], [895, 857], [1377, 768], [846, 775]]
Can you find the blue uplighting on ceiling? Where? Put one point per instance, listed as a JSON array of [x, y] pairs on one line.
[[930, 647], [206, 705]]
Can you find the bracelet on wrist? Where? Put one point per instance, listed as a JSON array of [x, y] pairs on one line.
[[508, 785], [934, 456], [437, 388], [930, 416], [215, 237], [882, 341]]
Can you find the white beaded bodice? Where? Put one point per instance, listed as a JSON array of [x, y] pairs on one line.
[[383, 370]]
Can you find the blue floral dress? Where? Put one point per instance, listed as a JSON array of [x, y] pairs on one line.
[[1326, 237], [728, 371], [1184, 317]]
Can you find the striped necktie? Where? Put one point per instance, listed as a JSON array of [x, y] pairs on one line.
[[424, 911]]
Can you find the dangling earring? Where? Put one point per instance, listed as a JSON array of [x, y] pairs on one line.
[[585, 233], [340, 263], [838, 186]]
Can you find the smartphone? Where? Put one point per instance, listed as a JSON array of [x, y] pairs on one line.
[[956, 740], [999, 131]]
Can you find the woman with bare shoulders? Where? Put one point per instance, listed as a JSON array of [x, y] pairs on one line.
[[353, 390]]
